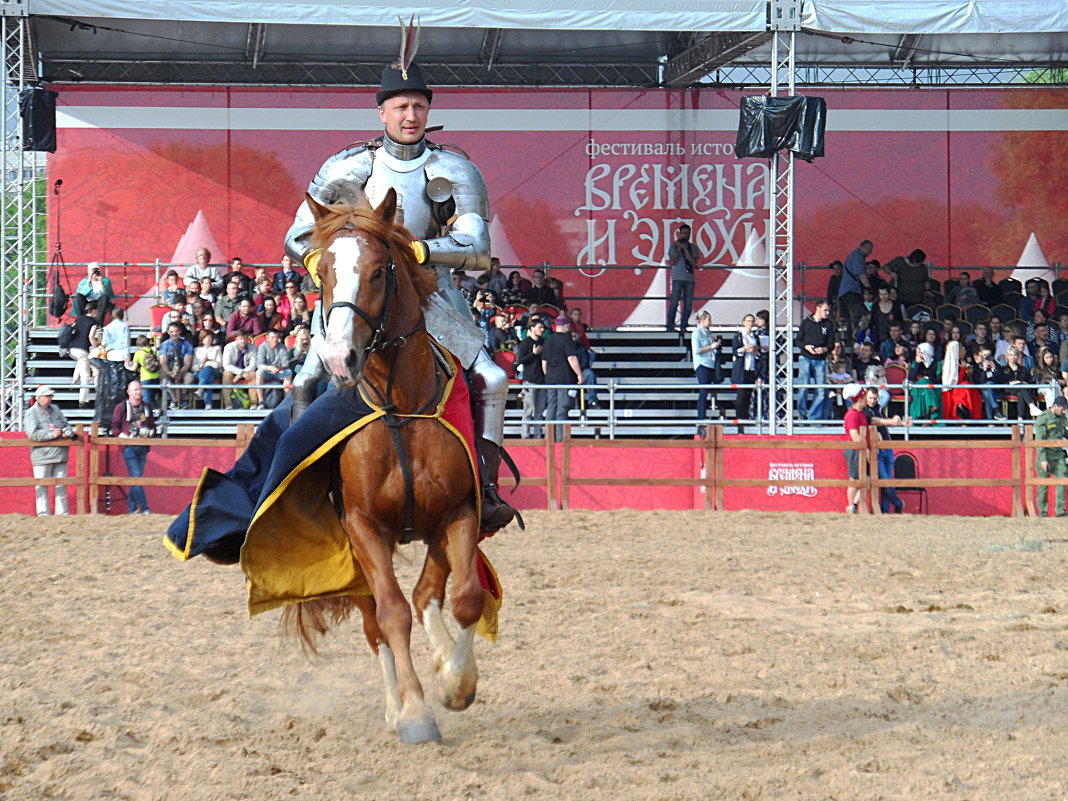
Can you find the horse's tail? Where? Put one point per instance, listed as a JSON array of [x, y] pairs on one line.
[[307, 621]]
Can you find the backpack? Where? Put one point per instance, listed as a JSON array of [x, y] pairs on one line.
[[151, 361], [57, 306], [65, 336]]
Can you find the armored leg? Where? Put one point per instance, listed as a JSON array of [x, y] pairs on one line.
[[489, 394]]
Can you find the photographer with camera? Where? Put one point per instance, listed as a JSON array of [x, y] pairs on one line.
[[95, 286], [46, 423], [134, 418], [682, 258]]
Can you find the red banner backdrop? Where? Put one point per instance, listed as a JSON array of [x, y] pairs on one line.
[[576, 177]]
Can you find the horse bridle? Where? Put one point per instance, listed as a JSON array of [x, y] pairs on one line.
[[378, 325]]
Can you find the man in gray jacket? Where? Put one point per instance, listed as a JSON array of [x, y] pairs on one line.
[[46, 423]]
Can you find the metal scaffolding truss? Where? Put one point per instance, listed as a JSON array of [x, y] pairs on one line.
[[913, 77], [311, 73], [21, 219]]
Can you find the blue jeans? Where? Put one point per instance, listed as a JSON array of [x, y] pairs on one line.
[[888, 495], [680, 290], [208, 375], [990, 402], [135, 457], [149, 393], [705, 375], [813, 371]]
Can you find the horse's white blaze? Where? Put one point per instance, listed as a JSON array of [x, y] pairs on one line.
[[389, 674], [338, 342]]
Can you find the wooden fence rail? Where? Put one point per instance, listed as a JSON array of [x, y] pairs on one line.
[[557, 477]]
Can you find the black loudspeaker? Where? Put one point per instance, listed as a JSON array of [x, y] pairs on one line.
[[37, 107]]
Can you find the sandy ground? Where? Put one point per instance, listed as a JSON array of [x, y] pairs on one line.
[[642, 656]]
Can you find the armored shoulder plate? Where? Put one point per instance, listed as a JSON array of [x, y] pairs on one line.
[[451, 175], [343, 170]]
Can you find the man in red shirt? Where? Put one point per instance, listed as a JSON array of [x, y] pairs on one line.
[[856, 430]]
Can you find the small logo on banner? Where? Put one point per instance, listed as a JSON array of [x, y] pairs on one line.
[[792, 472]]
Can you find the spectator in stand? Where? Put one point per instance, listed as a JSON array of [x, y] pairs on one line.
[[299, 314], [239, 367], [833, 285], [244, 320], [503, 334], [963, 294], [512, 295], [909, 274], [1062, 333], [895, 336], [207, 366], [1037, 319], [147, 361], [1050, 462], [116, 337], [272, 367], [901, 356], [226, 306], [1048, 375], [1013, 372], [259, 274], [815, 340], [496, 281], [270, 319], [932, 338], [856, 430], [1039, 339], [484, 312], [193, 292], [286, 274], [237, 273], [528, 360], [925, 402], [706, 350], [865, 357], [854, 279], [682, 258], [557, 286], [299, 352], [999, 338], [263, 289], [875, 279], [79, 349], [287, 302], [45, 423], [205, 272], [840, 354], [840, 375], [900, 312], [171, 287], [95, 287], [1027, 358], [198, 308], [1053, 333], [178, 314], [884, 315], [588, 393], [746, 351], [539, 294], [134, 418], [559, 361], [987, 288], [985, 371], [959, 402], [176, 365], [978, 339], [210, 324], [1037, 297]]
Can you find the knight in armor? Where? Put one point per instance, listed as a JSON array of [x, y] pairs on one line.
[[442, 201]]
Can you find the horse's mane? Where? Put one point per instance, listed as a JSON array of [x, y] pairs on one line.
[[399, 239]]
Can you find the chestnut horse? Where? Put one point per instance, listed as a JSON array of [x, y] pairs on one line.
[[373, 293]]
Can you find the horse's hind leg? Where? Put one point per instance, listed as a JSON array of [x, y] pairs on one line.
[[454, 661], [415, 722]]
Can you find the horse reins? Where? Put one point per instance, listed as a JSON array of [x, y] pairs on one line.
[[392, 420]]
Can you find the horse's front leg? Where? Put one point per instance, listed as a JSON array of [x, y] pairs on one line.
[[377, 640], [454, 661], [415, 722]]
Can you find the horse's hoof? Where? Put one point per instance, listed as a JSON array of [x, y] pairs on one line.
[[419, 730], [456, 703]]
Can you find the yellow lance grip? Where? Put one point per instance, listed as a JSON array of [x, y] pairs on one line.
[[311, 263]]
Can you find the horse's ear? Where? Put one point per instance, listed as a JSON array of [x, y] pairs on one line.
[[317, 209], [387, 209]]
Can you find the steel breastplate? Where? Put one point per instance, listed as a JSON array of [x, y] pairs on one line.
[[409, 180]]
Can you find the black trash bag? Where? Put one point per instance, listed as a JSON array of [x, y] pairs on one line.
[[770, 124], [111, 381], [57, 306]]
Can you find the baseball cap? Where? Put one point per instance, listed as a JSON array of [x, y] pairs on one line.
[[1061, 401], [850, 391], [43, 390]]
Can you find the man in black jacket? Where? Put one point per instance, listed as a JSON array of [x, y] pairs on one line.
[[815, 339], [528, 358]]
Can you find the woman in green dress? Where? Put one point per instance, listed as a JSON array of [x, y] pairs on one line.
[[925, 402]]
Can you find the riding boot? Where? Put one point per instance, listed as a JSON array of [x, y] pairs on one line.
[[496, 514]]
